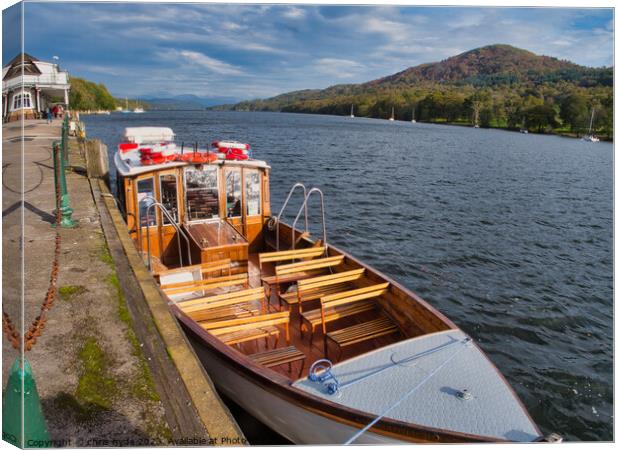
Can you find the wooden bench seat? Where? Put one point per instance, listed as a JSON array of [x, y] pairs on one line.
[[288, 273], [223, 266], [313, 318], [192, 289], [342, 304], [317, 287], [226, 299], [240, 336], [289, 255], [225, 312], [292, 297], [279, 356], [244, 329], [361, 332]]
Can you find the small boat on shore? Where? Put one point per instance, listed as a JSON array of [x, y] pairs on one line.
[[316, 344]]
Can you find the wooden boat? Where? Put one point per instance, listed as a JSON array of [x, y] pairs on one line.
[[321, 347]]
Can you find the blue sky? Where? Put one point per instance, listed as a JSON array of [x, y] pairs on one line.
[[250, 51]]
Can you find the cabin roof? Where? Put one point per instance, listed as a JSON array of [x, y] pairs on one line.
[[441, 365], [128, 168]]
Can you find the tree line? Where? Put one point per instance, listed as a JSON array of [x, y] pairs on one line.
[[548, 108]]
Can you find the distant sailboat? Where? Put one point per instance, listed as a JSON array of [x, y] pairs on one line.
[[590, 137], [126, 110], [352, 115], [413, 115], [138, 109], [392, 116]]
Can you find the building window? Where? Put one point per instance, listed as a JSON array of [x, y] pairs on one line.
[[201, 193], [22, 101]]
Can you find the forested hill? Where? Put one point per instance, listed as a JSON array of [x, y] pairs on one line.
[[494, 86], [86, 95]]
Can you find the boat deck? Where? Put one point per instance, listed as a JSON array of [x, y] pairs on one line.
[[440, 380], [302, 341]]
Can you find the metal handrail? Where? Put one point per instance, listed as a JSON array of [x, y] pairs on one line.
[[304, 206], [290, 193], [180, 232]]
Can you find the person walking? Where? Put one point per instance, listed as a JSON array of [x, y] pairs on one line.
[[49, 115]]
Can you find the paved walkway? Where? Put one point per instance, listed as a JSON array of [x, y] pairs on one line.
[[94, 383]]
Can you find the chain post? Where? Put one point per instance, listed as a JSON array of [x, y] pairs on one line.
[[65, 139], [35, 432], [65, 208]]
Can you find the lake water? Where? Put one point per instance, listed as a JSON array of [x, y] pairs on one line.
[[509, 235]]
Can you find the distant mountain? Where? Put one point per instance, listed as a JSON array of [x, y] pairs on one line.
[[186, 101], [482, 66], [485, 67]]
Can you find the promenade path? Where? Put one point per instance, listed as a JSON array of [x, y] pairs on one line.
[[95, 386]]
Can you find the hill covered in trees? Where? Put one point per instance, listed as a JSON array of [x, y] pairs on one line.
[[493, 86], [86, 95]]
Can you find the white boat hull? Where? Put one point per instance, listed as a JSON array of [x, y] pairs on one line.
[[295, 423]]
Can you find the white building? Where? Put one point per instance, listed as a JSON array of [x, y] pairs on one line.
[[30, 86]]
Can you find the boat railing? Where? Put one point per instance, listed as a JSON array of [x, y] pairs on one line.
[[304, 207], [288, 197], [180, 233]]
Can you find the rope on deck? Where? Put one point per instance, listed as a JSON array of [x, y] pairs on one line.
[[407, 395]]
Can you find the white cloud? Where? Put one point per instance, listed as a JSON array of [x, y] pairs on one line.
[[294, 13], [212, 64], [338, 68]]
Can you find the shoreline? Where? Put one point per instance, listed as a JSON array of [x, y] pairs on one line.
[[456, 124]]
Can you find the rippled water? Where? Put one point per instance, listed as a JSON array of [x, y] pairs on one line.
[[509, 235]]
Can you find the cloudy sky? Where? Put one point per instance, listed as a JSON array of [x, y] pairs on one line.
[[250, 51]]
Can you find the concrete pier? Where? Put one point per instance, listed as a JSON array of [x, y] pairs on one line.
[[96, 383]]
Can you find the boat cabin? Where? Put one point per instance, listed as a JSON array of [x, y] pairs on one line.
[[221, 206]]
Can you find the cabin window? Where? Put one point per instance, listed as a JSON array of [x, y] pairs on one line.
[[252, 192], [146, 197], [233, 192], [21, 101], [201, 193], [168, 190]]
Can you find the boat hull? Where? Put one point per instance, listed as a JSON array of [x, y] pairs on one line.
[[297, 424]]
